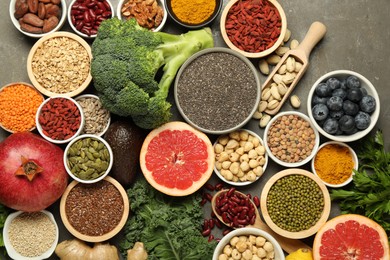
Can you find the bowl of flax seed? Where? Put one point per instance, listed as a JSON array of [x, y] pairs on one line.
[[59, 64]]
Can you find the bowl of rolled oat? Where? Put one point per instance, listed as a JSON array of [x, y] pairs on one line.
[[59, 64]]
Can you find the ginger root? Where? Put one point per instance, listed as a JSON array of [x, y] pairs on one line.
[[77, 250], [138, 252]]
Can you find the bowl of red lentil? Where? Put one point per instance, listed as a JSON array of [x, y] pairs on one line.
[[19, 103], [240, 157], [253, 28], [30, 235], [58, 64], [295, 203], [290, 139], [94, 212], [193, 14], [334, 163], [150, 14], [59, 119]]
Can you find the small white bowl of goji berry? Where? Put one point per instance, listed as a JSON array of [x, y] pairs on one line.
[[59, 119]]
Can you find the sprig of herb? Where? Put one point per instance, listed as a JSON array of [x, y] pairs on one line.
[[369, 194]]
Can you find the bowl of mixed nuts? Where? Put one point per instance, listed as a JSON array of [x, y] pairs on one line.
[[150, 14], [38, 18], [59, 64], [88, 158], [240, 157]]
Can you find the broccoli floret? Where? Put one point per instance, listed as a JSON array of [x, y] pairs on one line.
[[126, 59]]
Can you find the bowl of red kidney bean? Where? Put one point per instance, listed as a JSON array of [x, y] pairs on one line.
[[59, 119], [253, 28], [291, 139], [85, 16]]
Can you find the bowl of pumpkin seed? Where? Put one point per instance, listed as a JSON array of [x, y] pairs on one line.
[[88, 158]]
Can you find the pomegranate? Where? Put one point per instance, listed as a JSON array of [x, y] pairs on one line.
[[32, 172]]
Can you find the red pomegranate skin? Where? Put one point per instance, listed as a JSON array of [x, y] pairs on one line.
[[19, 193]]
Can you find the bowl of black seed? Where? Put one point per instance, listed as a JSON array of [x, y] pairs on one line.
[[217, 90], [343, 105]]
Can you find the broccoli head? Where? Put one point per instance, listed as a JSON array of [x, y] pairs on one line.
[[126, 59]]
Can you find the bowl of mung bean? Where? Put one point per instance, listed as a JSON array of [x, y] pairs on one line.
[[59, 64], [240, 157], [295, 203], [97, 118], [94, 212], [291, 139], [335, 163], [30, 235], [248, 243], [88, 158]]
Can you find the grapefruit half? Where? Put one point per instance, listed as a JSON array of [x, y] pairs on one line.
[[351, 237], [177, 159]]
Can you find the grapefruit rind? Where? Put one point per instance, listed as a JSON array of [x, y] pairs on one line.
[[149, 175], [362, 220]]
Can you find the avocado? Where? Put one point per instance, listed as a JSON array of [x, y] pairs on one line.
[[125, 139]]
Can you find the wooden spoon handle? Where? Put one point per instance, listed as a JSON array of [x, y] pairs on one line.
[[315, 33]]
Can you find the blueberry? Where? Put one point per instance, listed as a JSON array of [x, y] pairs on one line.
[[354, 130], [323, 90], [350, 108], [333, 83], [354, 94], [343, 84], [346, 123], [364, 91], [318, 100], [340, 93], [335, 103], [353, 82], [362, 120], [320, 112], [336, 114], [331, 126], [367, 104]]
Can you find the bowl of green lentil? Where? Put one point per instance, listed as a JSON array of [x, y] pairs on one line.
[[88, 158], [217, 90], [30, 235], [295, 203], [291, 139]]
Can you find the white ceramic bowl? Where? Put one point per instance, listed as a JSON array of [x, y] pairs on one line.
[[246, 231], [39, 127], [80, 33], [34, 35], [354, 158], [85, 116], [285, 163], [243, 183], [341, 75], [160, 3], [98, 138], [10, 249]]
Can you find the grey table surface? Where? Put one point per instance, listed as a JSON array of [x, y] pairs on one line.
[[357, 39]]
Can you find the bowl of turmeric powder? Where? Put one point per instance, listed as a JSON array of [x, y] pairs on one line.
[[193, 14], [335, 163]]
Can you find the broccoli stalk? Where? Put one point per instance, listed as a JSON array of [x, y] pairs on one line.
[[126, 59]]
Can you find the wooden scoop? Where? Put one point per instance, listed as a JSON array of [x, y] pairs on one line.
[[315, 33], [288, 245]]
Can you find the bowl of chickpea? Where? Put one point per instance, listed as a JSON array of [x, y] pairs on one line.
[[240, 157], [248, 243]]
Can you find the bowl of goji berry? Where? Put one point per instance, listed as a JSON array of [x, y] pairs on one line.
[[59, 119], [254, 28]]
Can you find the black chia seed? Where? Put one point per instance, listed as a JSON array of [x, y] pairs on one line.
[[217, 91]]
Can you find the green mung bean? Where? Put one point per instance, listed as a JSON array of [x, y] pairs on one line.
[[295, 203]]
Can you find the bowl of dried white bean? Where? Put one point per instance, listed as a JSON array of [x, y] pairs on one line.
[[291, 139], [240, 157], [59, 64], [248, 243]]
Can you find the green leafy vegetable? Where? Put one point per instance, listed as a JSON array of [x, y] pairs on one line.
[[369, 194], [3, 215], [169, 227]]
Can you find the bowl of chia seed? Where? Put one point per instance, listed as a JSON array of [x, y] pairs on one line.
[[217, 90]]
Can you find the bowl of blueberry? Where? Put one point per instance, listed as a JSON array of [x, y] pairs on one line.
[[343, 105]]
